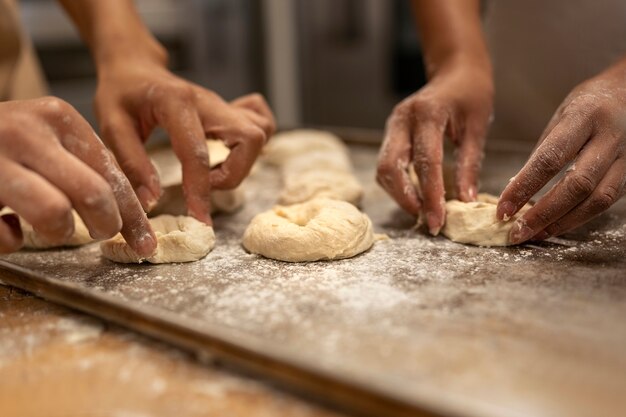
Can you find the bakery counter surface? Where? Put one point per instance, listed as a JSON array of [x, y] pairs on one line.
[[56, 362], [416, 324]]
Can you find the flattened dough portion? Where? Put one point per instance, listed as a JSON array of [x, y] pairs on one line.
[[475, 223], [320, 229], [313, 164], [179, 239]]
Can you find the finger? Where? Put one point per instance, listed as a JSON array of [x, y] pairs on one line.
[[261, 122], [122, 137], [555, 152], [575, 186], [393, 164], [610, 190], [37, 201], [245, 145], [135, 229], [428, 160], [469, 157], [10, 233], [180, 120], [88, 192], [257, 103]]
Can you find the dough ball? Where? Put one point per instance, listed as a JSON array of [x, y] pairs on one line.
[[170, 174], [313, 164], [320, 229], [337, 185], [318, 161], [286, 145], [179, 239], [475, 223]]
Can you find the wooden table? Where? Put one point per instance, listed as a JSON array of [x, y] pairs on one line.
[[57, 362]]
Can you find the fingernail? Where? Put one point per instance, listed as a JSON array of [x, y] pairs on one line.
[[146, 245], [146, 198], [520, 232], [433, 223], [472, 193], [505, 210]]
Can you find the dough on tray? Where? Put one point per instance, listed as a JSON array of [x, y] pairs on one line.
[[313, 164], [319, 229], [179, 239], [171, 176], [284, 146], [336, 185], [476, 223]]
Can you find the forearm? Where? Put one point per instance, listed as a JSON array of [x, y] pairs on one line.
[[451, 32], [114, 31]]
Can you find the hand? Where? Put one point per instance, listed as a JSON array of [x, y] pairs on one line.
[[52, 161], [135, 97], [588, 129], [457, 102]]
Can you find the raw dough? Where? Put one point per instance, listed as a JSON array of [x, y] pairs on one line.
[[336, 185], [294, 143], [313, 164], [171, 177], [179, 239], [475, 223], [33, 240], [320, 229]]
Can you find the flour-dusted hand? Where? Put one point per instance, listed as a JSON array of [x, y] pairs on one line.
[[51, 162], [132, 101], [136, 92], [587, 131], [457, 102]]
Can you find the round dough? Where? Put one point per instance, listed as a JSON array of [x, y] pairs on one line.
[[475, 223], [320, 229], [179, 239], [337, 185]]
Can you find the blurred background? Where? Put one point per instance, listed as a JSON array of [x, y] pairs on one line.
[[325, 63]]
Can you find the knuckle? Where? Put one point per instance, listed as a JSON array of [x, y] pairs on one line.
[[541, 217], [185, 93], [97, 200], [548, 161], [228, 181], [605, 198], [579, 185], [57, 209], [254, 134], [257, 98], [55, 106]]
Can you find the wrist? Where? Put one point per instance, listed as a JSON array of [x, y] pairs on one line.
[[124, 51]]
